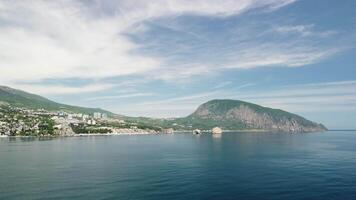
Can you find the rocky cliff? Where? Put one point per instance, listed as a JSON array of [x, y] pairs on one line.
[[233, 114]]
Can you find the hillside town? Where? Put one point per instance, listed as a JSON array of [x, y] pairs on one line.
[[16, 121]]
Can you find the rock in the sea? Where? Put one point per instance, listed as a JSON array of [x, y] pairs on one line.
[[216, 130], [196, 131]]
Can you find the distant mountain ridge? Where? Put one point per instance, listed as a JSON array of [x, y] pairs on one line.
[[234, 115], [19, 98], [225, 113]]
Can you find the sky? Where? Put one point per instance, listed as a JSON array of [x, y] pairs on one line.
[[163, 58]]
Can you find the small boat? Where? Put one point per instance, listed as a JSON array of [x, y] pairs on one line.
[[196, 131]]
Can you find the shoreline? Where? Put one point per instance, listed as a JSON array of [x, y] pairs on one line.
[[136, 133], [110, 134]]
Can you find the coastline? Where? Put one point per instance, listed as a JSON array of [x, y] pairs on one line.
[[81, 135], [111, 134], [134, 133]]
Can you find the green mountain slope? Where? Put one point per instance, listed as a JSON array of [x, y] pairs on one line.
[[227, 114], [23, 99], [238, 115]]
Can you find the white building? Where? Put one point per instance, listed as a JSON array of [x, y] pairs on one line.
[[85, 117], [91, 122], [97, 115], [78, 115]]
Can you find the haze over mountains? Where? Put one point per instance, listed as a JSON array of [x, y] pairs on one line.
[[227, 114]]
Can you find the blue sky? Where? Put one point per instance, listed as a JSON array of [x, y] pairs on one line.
[[163, 58]]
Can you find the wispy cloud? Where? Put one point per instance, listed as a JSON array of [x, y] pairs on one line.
[[222, 85], [122, 96], [321, 97], [180, 105], [303, 98], [249, 45], [304, 30], [294, 51], [57, 89], [183, 99]]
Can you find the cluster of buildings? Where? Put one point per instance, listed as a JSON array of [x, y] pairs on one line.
[[17, 127], [78, 118], [18, 121], [25, 122], [98, 115]]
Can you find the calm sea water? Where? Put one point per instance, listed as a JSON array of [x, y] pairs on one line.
[[181, 166]]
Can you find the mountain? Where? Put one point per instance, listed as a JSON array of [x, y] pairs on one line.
[[227, 114], [240, 115], [18, 98]]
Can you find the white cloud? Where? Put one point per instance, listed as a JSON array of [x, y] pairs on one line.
[[140, 10], [58, 40], [66, 39]]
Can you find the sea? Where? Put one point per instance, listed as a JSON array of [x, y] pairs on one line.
[[236, 165]]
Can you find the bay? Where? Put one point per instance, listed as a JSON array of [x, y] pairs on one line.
[[181, 166]]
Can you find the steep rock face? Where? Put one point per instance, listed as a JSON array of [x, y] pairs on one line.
[[252, 116]]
